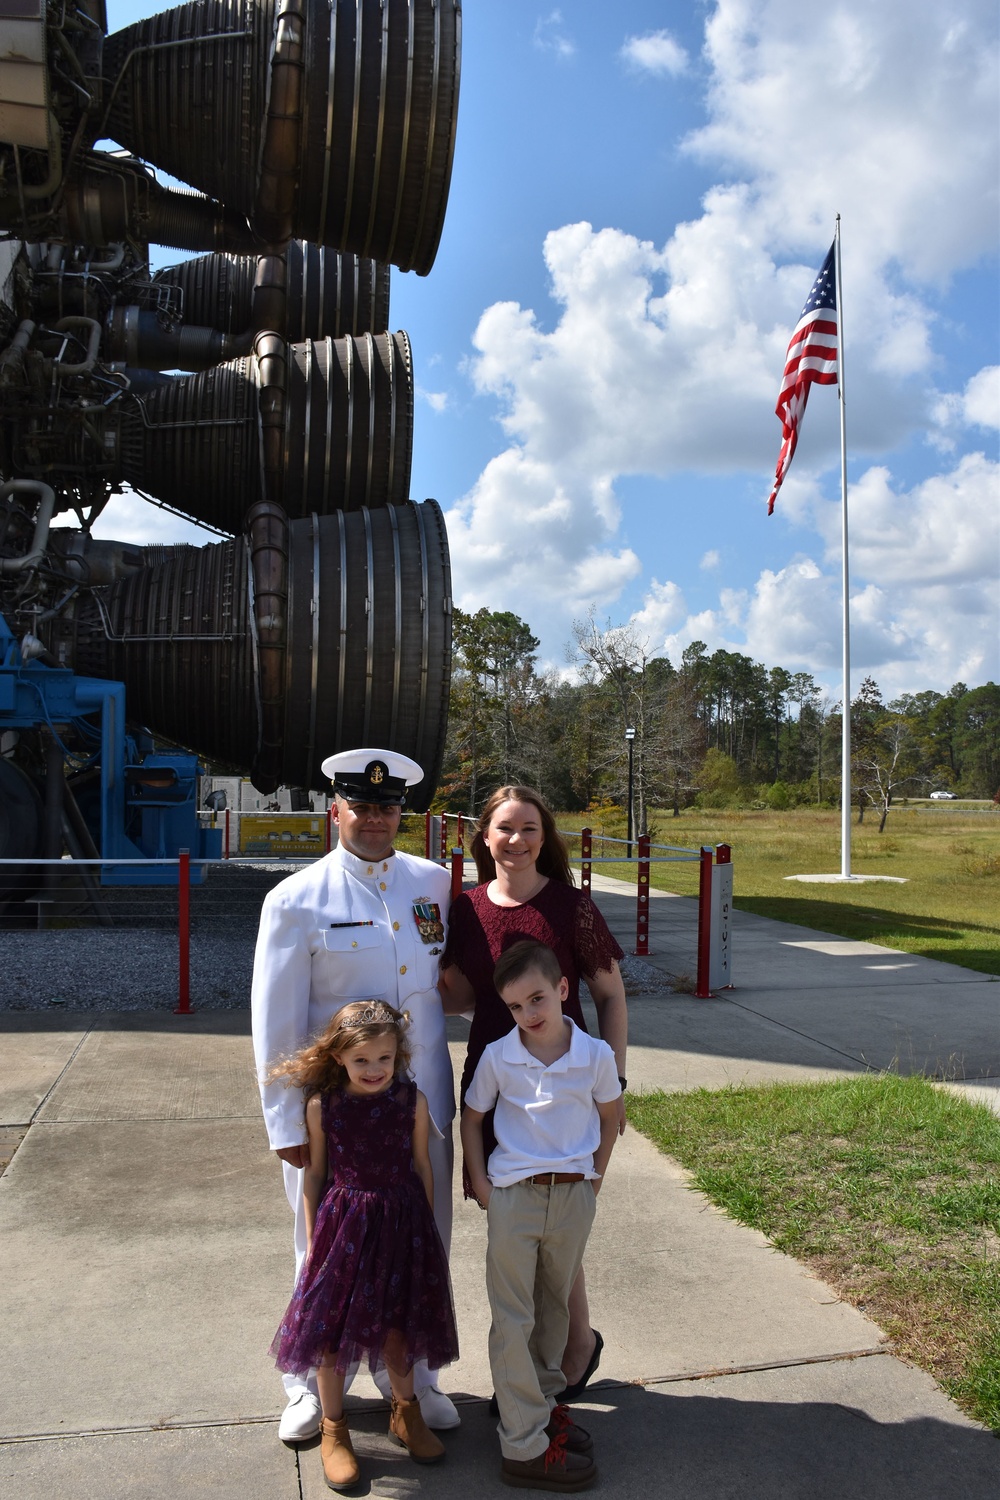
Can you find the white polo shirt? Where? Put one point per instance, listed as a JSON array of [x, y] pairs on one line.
[[546, 1116]]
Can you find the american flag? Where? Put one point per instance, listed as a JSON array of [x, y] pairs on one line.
[[811, 358]]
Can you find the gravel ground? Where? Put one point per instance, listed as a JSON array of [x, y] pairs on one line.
[[642, 979], [98, 969], [124, 968], [132, 965]]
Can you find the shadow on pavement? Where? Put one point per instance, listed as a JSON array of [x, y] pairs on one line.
[[681, 1441], [879, 926]]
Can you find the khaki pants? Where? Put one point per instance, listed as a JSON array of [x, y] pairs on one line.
[[537, 1236]]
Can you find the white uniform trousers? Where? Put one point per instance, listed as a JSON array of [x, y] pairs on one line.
[[441, 1150]]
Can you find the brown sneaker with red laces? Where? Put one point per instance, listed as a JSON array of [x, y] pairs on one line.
[[578, 1439], [555, 1469]]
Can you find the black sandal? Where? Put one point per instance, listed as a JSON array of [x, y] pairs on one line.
[[574, 1391]]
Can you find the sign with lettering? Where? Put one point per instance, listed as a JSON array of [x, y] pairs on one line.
[[720, 955]]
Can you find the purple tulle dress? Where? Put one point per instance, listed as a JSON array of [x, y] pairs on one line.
[[375, 1283]]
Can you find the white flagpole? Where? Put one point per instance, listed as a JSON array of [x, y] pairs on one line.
[[845, 748]]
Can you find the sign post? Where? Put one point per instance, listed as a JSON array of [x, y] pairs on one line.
[[720, 975], [715, 905]]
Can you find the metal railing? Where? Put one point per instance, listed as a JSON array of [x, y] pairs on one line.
[[713, 925], [62, 887], [644, 858]]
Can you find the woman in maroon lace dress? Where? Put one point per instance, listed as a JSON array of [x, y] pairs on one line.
[[526, 891]]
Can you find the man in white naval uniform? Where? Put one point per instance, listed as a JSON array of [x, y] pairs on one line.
[[365, 922]]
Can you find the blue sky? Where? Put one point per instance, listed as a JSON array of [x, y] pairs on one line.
[[642, 196]]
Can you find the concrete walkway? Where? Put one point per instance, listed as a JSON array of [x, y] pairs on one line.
[[804, 1005], [146, 1249]]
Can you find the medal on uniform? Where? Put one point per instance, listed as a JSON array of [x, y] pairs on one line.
[[427, 915]]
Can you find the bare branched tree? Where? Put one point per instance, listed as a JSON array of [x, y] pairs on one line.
[[617, 659]]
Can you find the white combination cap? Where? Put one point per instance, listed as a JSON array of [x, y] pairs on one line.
[[371, 775]]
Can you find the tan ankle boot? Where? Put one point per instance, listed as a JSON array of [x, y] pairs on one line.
[[340, 1467], [407, 1426]]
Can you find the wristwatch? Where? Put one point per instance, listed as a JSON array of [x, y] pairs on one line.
[[623, 1082]]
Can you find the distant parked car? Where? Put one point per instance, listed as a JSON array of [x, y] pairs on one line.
[[944, 796]]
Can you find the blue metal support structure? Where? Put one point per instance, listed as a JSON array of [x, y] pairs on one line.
[[147, 805]]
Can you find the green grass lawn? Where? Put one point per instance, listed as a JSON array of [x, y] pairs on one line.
[[887, 1187], [948, 909]]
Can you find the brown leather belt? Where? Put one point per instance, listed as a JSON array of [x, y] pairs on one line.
[[550, 1179]]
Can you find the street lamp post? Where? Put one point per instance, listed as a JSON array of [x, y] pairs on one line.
[[629, 740]]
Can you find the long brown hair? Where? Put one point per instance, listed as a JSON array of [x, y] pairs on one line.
[[316, 1070], [553, 859]]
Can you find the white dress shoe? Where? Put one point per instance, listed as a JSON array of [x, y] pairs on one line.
[[438, 1410], [301, 1418]]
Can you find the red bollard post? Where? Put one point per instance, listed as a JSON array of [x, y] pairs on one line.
[[183, 1006], [225, 851], [586, 849], [457, 870], [328, 830], [427, 834], [642, 898], [702, 991]]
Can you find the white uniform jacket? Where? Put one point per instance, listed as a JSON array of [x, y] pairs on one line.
[[348, 929]]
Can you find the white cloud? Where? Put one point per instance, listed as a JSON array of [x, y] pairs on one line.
[[519, 541], [977, 406], [942, 531], [650, 346], [549, 35], [655, 52], [643, 353], [905, 145], [667, 359], [981, 406], [438, 401], [662, 607], [710, 560], [923, 606]]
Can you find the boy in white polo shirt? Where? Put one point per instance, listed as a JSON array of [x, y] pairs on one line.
[[555, 1090]]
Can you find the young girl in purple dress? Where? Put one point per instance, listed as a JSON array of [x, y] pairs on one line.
[[374, 1285]]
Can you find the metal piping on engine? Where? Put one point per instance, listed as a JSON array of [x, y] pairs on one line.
[[43, 520], [267, 550], [271, 354], [105, 202], [193, 222], [108, 263], [269, 299], [136, 337], [32, 192], [12, 358], [277, 178], [60, 367]]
